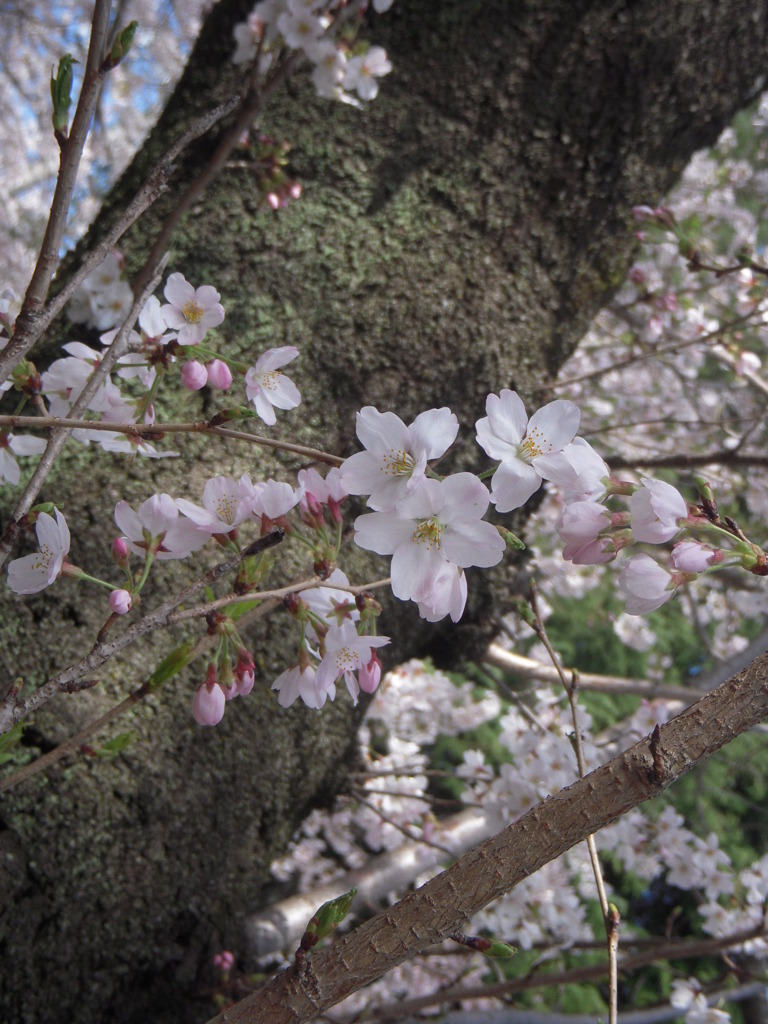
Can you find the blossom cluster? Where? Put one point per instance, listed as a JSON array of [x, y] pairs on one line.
[[171, 338], [306, 25], [432, 528]]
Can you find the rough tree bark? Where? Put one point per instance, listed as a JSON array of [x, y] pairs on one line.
[[455, 237]]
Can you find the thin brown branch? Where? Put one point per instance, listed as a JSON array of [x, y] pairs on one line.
[[610, 918], [71, 152], [531, 669], [681, 949], [27, 334], [681, 460], [58, 438], [13, 709], [156, 430]]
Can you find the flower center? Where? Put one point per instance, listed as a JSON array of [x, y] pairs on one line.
[[428, 533], [225, 509], [193, 314], [45, 557], [270, 380], [397, 463], [346, 660], [535, 443]]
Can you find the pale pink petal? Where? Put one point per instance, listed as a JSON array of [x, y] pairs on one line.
[[382, 532], [434, 431], [512, 485], [477, 543]]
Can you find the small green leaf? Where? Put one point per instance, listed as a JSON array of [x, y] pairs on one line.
[[9, 741], [511, 539], [171, 665], [120, 47], [113, 747], [61, 93]]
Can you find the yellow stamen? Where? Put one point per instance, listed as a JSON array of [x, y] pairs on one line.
[[193, 314], [428, 533]]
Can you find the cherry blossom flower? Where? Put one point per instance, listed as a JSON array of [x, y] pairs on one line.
[[687, 995], [247, 36], [656, 508], [244, 676], [104, 299], [369, 676], [446, 595], [646, 585], [361, 72], [301, 682], [224, 960], [508, 435], [268, 388], [441, 521], [330, 605], [330, 64], [226, 504], [155, 527], [578, 470], [300, 29], [345, 654], [580, 527], [746, 362], [396, 458], [191, 311], [17, 444], [35, 572], [274, 499], [318, 491]]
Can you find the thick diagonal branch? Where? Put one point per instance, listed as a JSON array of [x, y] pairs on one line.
[[441, 906]]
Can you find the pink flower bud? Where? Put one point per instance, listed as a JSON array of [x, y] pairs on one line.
[[194, 375], [224, 960], [120, 550], [294, 190], [120, 601], [643, 213], [208, 705], [691, 556], [369, 675], [273, 200], [219, 374], [244, 682]]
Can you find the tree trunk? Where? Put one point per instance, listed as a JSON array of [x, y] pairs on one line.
[[455, 237]]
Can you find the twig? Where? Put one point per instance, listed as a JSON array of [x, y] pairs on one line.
[[530, 669], [309, 584], [682, 949], [156, 430], [357, 793], [27, 322], [13, 709], [610, 914], [58, 437], [27, 334]]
